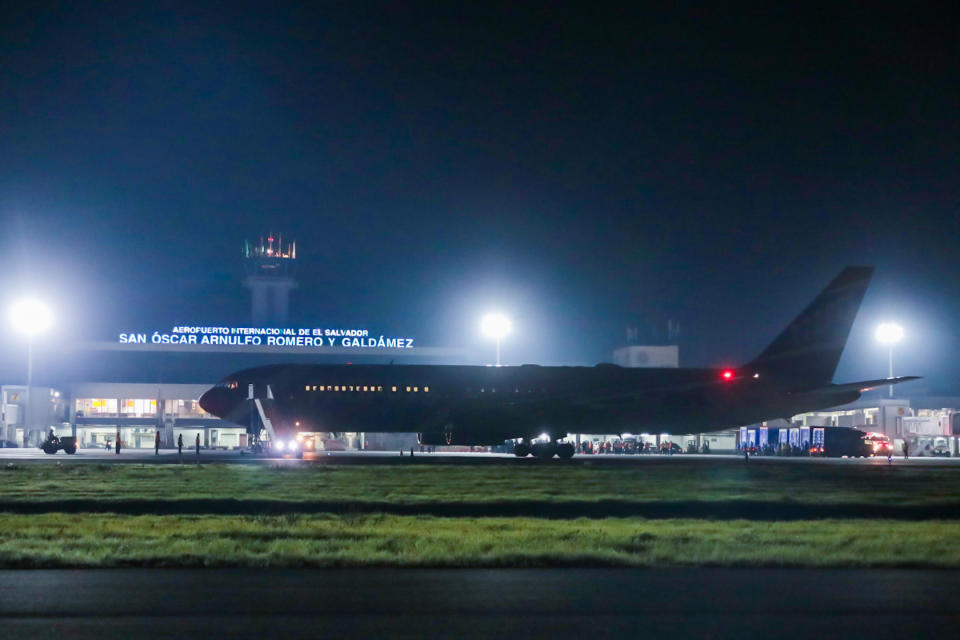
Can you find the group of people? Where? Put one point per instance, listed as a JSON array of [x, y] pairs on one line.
[[156, 443], [779, 449], [630, 447]]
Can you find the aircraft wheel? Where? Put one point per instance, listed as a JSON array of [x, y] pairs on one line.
[[544, 450], [565, 450], [521, 450]]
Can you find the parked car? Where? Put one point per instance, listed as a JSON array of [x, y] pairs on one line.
[[8, 444], [878, 444], [940, 448]]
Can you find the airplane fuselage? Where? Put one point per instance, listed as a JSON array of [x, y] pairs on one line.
[[487, 405]]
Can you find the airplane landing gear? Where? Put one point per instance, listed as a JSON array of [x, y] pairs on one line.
[[544, 450]]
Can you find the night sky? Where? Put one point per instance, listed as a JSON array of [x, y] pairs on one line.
[[581, 168]]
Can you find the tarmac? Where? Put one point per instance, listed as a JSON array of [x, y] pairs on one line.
[[474, 603], [170, 456]]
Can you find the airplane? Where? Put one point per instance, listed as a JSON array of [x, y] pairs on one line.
[[537, 406]]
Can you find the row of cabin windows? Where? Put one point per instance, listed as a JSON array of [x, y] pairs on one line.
[[357, 387], [393, 389]]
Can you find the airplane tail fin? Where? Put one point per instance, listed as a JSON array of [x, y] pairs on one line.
[[807, 352]]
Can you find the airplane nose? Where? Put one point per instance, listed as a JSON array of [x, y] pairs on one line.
[[218, 401]]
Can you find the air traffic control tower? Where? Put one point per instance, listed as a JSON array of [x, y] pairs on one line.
[[270, 278]]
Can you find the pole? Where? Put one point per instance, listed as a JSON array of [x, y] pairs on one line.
[[27, 418], [498, 351], [891, 368]]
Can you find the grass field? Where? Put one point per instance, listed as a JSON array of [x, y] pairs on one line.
[[246, 515], [873, 484], [59, 540]]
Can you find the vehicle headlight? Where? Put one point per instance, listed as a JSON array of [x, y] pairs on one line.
[[293, 445], [279, 445]]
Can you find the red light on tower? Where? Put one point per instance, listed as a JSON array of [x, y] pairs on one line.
[[727, 374]]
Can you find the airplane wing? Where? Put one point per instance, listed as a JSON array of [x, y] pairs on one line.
[[863, 385]]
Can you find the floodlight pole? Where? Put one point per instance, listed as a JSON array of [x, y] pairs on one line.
[[891, 368], [498, 351], [26, 404]]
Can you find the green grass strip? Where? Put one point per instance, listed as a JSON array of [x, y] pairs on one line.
[[109, 540], [675, 480]]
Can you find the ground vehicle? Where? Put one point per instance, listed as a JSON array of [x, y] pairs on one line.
[[8, 444], [940, 448], [879, 443], [837, 442], [53, 444]]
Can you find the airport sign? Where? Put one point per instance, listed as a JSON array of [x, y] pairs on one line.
[[296, 337]]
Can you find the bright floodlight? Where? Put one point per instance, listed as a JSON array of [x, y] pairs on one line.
[[889, 332], [495, 325], [31, 317]]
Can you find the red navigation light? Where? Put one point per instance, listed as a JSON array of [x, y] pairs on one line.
[[727, 374], [269, 239]]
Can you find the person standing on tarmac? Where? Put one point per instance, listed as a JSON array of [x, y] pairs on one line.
[[156, 443], [180, 444], [198, 443], [906, 450], [118, 442]]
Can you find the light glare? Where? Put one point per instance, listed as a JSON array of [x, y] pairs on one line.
[[31, 317], [496, 325], [889, 332]]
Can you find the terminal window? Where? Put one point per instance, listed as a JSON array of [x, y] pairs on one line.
[[189, 408], [97, 406], [139, 407]]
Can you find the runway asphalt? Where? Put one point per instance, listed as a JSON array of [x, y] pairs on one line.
[[459, 603], [170, 456]]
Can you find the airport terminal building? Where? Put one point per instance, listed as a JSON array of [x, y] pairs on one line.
[[95, 412]]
